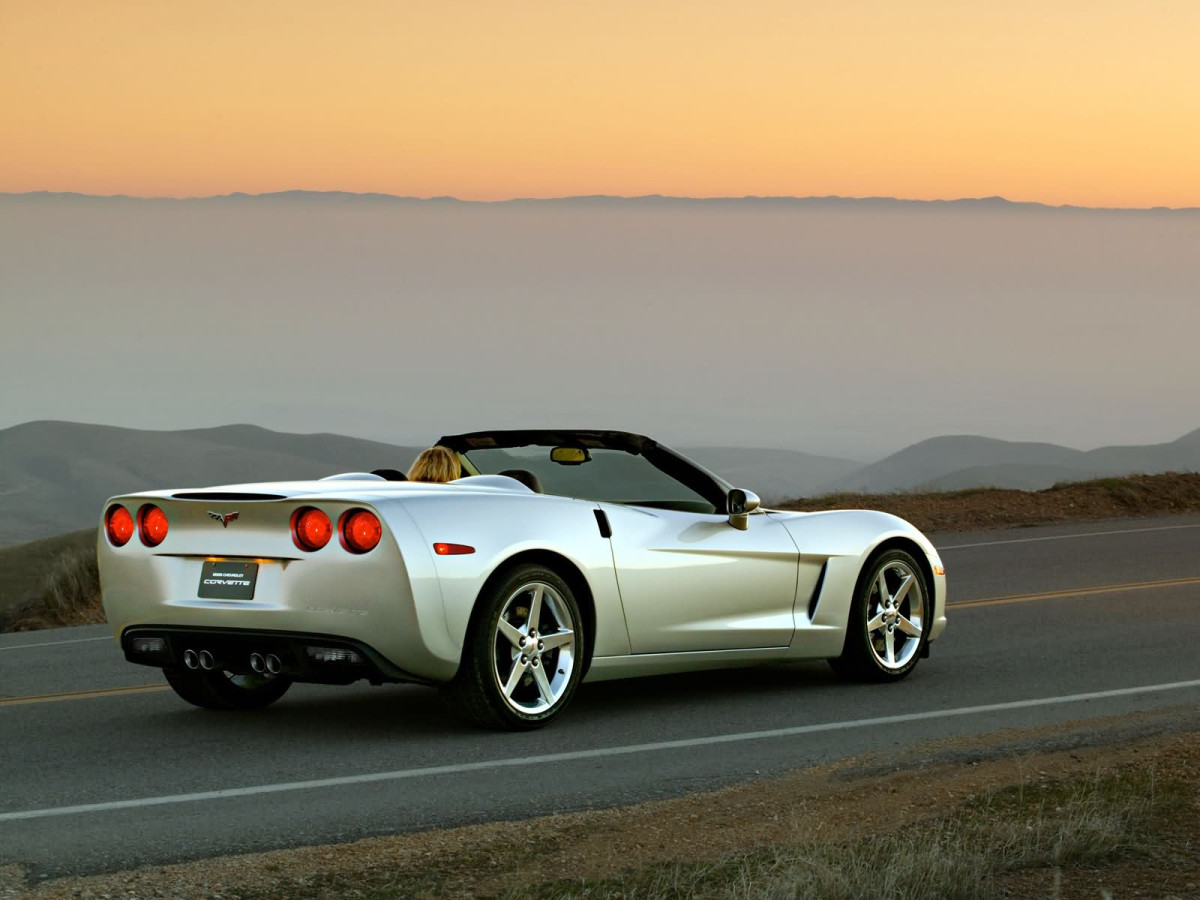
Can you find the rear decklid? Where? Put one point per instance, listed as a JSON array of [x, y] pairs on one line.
[[244, 520]]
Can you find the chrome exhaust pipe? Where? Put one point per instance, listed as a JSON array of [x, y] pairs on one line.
[[190, 659], [257, 663], [273, 664], [206, 661]]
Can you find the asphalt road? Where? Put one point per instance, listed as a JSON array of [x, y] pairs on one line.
[[1056, 624]]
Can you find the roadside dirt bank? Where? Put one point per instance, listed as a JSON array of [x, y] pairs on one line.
[[984, 508], [914, 791]]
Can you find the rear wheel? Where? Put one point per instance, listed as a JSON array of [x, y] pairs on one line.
[[889, 618], [522, 662], [225, 690]]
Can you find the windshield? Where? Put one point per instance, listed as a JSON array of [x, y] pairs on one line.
[[612, 476]]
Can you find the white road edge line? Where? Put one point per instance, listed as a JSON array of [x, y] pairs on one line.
[[107, 637], [1067, 537], [571, 755]]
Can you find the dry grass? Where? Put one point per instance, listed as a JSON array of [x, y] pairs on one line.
[[980, 508], [23, 567], [1090, 821], [68, 595]]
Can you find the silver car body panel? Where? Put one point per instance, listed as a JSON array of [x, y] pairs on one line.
[[670, 591]]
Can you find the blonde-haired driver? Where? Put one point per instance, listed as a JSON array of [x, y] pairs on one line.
[[438, 464]]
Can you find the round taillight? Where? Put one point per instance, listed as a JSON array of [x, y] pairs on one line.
[[152, 525], [361, 531], [118, 524], [311, 528]]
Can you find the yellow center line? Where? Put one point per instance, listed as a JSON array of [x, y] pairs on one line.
[[965, 604], [1076, 592], [84, 695]]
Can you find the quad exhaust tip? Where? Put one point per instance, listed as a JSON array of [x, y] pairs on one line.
[[191, 659], [257, 663], [206, 661], [273, 664]]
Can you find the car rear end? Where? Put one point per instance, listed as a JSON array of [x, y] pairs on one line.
[[300, 583]]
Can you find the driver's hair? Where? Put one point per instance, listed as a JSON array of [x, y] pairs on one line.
[[437, 464]]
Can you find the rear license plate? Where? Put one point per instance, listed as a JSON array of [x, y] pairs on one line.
[[228, 580]]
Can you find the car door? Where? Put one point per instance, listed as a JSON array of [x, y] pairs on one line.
[[691, 581]]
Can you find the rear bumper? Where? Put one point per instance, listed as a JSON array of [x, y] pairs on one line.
[[303, 657], [386, 600]]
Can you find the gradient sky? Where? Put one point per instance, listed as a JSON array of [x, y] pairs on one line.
[[1090, 102]]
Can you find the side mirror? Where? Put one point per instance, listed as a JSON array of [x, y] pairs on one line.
[[739, 505]]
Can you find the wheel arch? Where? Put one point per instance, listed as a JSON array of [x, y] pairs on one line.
[[909, 546], [565, 569]]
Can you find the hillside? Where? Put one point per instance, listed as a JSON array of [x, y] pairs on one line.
[[55, 476], [773, 473]]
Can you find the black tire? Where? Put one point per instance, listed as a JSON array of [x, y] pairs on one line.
[[476, 692], [217, 690], [864, 660]]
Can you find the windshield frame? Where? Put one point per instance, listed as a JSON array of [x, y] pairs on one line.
[[678, 467]]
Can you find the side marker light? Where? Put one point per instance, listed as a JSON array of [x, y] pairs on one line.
[[452, 549], [939, 570]]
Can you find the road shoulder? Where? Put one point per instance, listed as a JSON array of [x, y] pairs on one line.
[[870, 797]]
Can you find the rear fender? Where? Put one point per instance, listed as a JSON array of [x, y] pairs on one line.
[[500, 529]]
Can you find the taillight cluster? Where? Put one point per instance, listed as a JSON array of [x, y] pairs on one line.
[[151, 525], [358, 529]]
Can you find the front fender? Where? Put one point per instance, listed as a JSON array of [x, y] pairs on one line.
[[843, 540]]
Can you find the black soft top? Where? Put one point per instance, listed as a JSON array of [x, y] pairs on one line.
[[549, 437]]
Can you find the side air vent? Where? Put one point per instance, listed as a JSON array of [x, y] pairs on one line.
[[816, 594], [225, 495]]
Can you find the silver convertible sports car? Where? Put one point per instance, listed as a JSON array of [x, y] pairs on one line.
[[559, 556]]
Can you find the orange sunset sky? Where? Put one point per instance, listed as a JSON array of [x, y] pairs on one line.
[[1090, 102]]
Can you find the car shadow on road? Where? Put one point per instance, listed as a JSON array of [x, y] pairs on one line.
[[643, 706]]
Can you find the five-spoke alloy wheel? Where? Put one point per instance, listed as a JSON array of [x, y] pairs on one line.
[[524, 654], [889, 618]]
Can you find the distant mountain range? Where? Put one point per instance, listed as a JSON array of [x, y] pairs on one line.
[[992, 203], [957, 462], [54, 476]]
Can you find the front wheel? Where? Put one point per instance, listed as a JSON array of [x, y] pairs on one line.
[[889, 619], [224, 690], [523, 658]]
